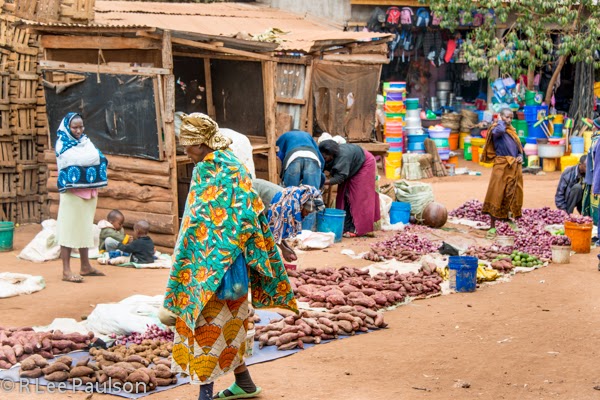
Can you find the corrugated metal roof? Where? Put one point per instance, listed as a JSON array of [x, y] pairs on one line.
[[227, 19]]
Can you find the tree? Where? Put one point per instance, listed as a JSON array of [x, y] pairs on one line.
[[538, 32]]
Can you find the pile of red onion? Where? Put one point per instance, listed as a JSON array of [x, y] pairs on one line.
[[471, 210], [561, 240], [154, 332], [406, 241], [579, 219], [504, 229], [544, 216]]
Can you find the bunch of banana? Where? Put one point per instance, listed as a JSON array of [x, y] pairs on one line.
[[486, 274], [443, 272]]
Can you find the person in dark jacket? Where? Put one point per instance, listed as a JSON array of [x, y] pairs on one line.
[[354, 170], [569, 193], [140, 250]]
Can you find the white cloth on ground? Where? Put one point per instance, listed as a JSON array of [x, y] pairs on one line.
[[12, 284]]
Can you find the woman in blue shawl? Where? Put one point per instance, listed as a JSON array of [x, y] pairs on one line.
[[81, 171]]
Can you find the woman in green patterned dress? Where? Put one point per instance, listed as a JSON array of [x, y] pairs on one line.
[[223, 224]]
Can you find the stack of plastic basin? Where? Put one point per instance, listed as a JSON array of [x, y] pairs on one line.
[[416, 143], [395, 117], [441, 136], [533, 114]]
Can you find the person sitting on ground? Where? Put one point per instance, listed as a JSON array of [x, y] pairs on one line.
[[140, 250], [112, 232], [569, 193], [285, 209]]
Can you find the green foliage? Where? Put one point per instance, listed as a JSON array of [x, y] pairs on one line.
[[526, 43]]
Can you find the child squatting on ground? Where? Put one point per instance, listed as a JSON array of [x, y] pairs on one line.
[[139, 251], [111, 231]]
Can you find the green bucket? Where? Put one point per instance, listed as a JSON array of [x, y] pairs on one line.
[[521, 127], [532, 98], [7, 230], [468, 154]]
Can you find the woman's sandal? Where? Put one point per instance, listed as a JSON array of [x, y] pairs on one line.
[[349, 235], [236, 392], [73, 278]]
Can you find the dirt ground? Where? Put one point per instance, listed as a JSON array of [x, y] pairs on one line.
[[534, 337]]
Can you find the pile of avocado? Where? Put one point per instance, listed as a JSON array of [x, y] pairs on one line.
[[520, 259]]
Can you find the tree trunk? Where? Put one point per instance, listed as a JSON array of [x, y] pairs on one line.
[[555, 75], [530, 77], [582, 105]]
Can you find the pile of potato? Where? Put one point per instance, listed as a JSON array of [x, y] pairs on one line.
[[328, 287], [17, 344], [312, 327], [488, 253]]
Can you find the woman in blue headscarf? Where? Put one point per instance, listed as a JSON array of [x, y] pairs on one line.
[[81, 171]]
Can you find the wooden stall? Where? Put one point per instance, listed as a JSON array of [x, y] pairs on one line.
[[258, 88]]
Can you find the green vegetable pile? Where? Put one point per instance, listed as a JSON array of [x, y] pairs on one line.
[[520, 259]]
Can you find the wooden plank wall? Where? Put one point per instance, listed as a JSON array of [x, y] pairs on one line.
[[67, 11]]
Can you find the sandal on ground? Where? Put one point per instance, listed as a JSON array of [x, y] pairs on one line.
[[73, 278], [491, 233], [94, 272], [236, 392], [349, 235]]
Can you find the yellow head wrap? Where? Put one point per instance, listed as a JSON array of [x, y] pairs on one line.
[[198, 128]]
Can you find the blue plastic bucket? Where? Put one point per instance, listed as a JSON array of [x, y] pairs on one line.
[[416, 142], [577, 145], [535, 131], [463, 273], [7, 231], [332, 220], [400, 212]]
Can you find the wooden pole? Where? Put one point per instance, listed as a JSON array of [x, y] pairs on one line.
[[268, 73], [210, 105]]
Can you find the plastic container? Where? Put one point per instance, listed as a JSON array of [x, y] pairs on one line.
[[463, 273], [413, 113], [532, 98], [549, 165], [558, 119], [461, 139], [412, 123], [416, 142], [550, 151], [393, 165], [400, 212], [7, 232], [475, 153], [441, 143], [453, 140], [505, 240], [444, 154], [521, 127], [561, 254], [568, 161], [535, 131], [453, 160], [533, 161], [587, 141], [577, 145], [558, 130], [580, 235], [530, 149], [467, 152], [331, 220], [439, 133], [250, 342], [412, 104]]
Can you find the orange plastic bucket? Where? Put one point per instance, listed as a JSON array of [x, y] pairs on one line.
[[580, 235], [453, 141]]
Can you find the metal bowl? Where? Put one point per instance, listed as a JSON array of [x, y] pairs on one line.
[[443, 85]]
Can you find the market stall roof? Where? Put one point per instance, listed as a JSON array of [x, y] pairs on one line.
[[228, 20]]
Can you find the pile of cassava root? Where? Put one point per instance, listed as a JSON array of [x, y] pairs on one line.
[[133, 375], [292, 332], [17, 344], [329, 287]]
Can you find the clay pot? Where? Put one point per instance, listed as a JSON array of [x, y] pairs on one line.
[[435, 215]]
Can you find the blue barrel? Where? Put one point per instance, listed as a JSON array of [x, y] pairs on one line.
[[332, 220], [400, 212], [535, 131], [577, 145], [463, 273]]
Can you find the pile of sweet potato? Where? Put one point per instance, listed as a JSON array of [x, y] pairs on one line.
[[17, 344], [488, 253], [141, 355], [355, 287], [403, 246], [292, 332]]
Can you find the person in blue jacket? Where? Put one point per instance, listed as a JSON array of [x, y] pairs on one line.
[[301, 164], [569, 193]]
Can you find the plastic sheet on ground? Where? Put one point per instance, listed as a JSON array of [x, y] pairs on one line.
[[350, 253], [306, 240], [12, 284], [132, 314], [392, 266], [163, 261], [470, 223]]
